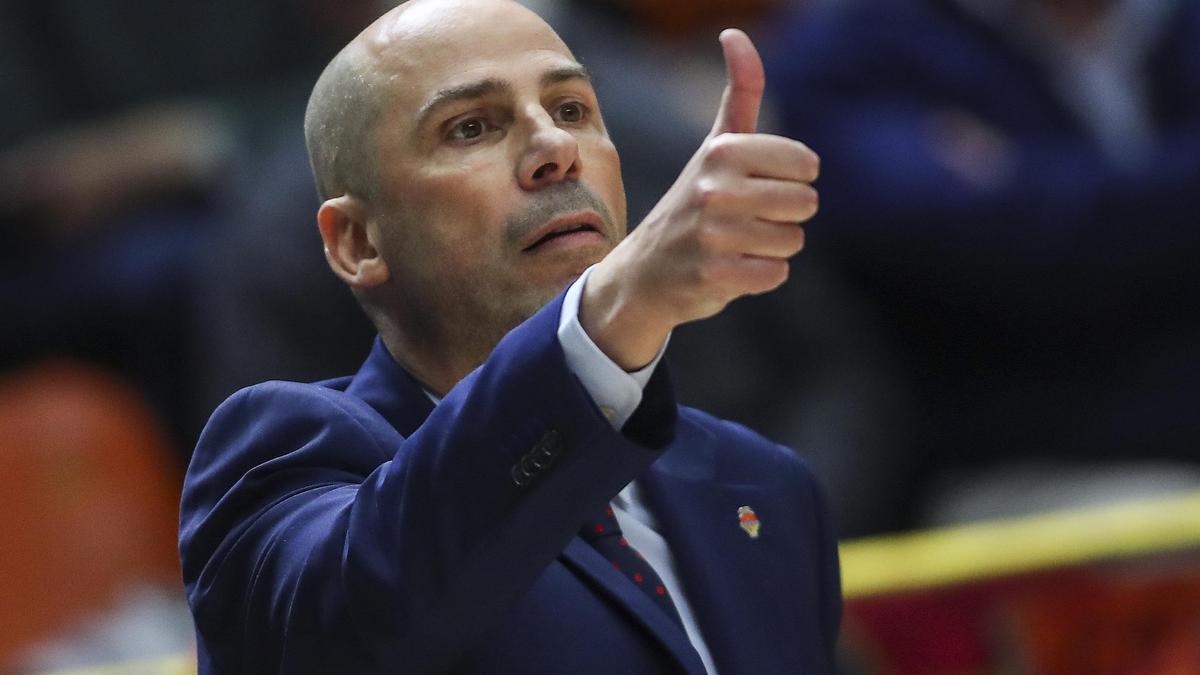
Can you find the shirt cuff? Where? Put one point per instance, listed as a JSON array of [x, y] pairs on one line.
[[615, 392]]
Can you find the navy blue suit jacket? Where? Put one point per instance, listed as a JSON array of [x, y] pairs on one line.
[[350, 526]]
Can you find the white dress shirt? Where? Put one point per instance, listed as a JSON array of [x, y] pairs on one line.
[[618, 393]]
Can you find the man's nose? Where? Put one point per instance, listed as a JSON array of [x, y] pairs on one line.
[[551, 156]]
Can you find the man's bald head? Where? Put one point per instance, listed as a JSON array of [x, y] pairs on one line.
[[343, 111], [339, 123], [350, 96]]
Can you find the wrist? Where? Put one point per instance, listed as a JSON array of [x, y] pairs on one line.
[[620, 323]]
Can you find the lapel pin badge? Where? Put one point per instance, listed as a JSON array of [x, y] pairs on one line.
[[748, 520]]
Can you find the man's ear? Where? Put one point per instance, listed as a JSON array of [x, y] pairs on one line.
[[348, 246]]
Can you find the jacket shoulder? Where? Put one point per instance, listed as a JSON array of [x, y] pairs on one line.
[[270, 440], [290, 409], [744, 454], [277, 423]]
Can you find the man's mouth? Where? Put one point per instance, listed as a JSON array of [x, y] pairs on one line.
[[579, 226]]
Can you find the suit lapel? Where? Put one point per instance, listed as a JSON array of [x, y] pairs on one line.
[[734, 582], [588, 562], [391, 391]]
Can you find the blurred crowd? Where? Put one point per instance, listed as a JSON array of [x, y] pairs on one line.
[[997, 310]]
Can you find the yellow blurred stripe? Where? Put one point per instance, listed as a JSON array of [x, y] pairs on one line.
[[945, 556], [983, 550], [177, 664]]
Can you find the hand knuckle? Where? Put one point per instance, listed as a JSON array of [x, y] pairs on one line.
[[715, 274], [782, 271], [773, 274], [704, 275], [711, 236], [708, 192], [795, 239], [806, 203], [808, 161], [812, 204], [719, 148]]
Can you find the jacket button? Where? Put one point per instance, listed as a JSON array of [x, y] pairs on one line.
[[551, 443], [520, 478], [540, 456], [529, 465]]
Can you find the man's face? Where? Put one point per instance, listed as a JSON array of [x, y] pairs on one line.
[[490, 147]]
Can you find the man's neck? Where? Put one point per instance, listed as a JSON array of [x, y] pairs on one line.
[[436, 372], [436, 365], [440, 345]]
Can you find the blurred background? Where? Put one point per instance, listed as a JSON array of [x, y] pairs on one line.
[[988, 350]]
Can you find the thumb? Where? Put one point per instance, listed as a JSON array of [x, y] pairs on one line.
[[745, 82]]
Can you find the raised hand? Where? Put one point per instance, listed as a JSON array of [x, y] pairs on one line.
[[725, 229]]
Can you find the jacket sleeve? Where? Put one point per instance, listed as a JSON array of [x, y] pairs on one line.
[[315, 539]]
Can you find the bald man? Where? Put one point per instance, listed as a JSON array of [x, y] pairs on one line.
[[424, 515]]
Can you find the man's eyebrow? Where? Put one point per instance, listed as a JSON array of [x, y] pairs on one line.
[[493, 86], [574, 71], [460, 93]]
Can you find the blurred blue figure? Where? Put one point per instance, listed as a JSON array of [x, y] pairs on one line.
[[1016, 184], [121, 126]]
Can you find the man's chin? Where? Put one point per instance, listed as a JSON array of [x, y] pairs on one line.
[[567, 266]]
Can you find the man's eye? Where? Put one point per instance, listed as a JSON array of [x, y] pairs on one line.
[[468, 129], [571, 112]]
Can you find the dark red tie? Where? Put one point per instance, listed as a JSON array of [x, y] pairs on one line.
[[605, 536]]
